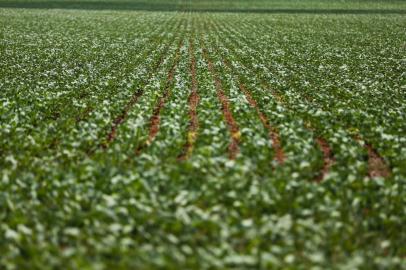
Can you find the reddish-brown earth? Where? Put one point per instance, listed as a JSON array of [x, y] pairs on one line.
[[193, 103], [121, 118], [377, 166], [137, 94], [233, 147], [273, 134], [155, 119], [328, 158]]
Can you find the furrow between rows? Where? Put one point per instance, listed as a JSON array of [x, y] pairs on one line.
[[324, 146], [273, 133], [377, 166], [155, 119], [233, 148], [328, 158], [193, 103], [136, 95]]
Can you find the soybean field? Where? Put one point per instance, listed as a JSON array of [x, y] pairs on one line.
[[202, 134]]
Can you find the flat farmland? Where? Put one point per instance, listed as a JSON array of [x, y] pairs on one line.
[[202, 134]]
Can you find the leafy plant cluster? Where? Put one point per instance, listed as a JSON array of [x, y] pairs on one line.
[[84, 184]]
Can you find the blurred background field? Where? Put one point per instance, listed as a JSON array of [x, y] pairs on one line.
[[317, 92], [290, 6]]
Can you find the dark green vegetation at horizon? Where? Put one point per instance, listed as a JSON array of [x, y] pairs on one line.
[[261, 6], [191, 140]]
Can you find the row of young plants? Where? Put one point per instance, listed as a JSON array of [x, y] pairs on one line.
[[357, 89], [105, 167], [55, 186], [47, 135], [376, 189]]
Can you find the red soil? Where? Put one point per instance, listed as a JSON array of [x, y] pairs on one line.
[[273, 134], [123, 116], [155, 118], [328, 159], [193, 102], [376, 164], [233, 148]]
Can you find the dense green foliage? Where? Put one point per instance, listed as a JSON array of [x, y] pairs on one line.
[[84, 185], [297, 6]]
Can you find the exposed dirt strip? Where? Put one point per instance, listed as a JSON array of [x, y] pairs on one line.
[[123, 116], [328, 158], [155, 118], [328, 155], [193, 102], [377, 166], [273, 134], [120, 119], [233, 148], [82, 116]]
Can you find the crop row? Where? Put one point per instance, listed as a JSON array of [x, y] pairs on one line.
[[203, 140]]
